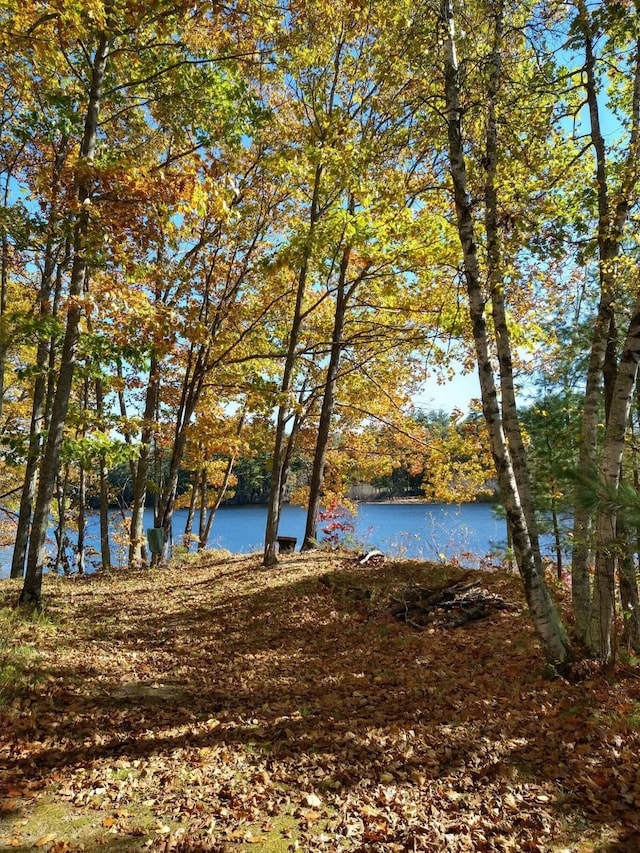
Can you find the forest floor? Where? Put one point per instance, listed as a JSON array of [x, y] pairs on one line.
[[216, 706]]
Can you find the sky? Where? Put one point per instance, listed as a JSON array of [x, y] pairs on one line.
[[454, 394]]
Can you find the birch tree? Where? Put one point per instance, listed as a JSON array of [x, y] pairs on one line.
[[609, 551], [545, 617], [615, 185]]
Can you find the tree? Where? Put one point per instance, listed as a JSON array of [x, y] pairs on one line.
[[119, 188], [615, 183], [552, 424], [363, 165], [599, 636], [31, 591], [545, 617]]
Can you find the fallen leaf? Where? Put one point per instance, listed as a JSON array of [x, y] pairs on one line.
[[311, 816]]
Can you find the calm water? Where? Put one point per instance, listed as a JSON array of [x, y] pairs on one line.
[[467, 532], [411, 530]]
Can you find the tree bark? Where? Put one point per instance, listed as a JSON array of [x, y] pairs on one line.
[[82, 495], [601, 623], [45, 346], [544, 615], [510, 420], [223, 487], [60, 532], [204, 502], [192, 390], [628, 584], [4, 277], [328, 399], [32, 588], [612, 220], [105, 548], [275, 493], [137, 548], [82, 521], [4, 282], [188, 527]]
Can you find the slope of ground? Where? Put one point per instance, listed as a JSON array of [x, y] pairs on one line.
[[215, 706]]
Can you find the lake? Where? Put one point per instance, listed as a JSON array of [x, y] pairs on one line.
[[398, 529], [467, 532]]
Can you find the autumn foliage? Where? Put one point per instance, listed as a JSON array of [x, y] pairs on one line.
[[227, 708]]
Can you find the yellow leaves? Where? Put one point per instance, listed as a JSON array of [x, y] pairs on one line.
[[300, 496], [44, 840], [458, 464], [207, 197]]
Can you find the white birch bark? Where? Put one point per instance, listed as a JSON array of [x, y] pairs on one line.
[[601, 622], [545, 617], [510, 420], [613, 214]]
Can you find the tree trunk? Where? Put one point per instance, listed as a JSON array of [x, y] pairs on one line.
[[188, 527], [4, 284], [61, 529], [601, 623], [105, 545], [45, 346], [510, 420], [213, 509], [82, 494], [137, 548], [122, 403], [544, 615], [105, 548], [629, 598], [82, 521], [277, 466], [204, 502], [557, 540], [612, 219], [192, 392], [223, 488], [32, 589], [326, 412]]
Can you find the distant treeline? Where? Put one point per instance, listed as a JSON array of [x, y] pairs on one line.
[[252, 484]]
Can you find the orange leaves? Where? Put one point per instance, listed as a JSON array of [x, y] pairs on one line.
[[221, 705]]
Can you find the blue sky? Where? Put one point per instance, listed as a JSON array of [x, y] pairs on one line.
[[454, 394]]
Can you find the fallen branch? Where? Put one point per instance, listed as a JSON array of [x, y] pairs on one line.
[[373, 558], [453, 604]]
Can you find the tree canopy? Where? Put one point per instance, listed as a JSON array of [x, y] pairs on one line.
[[244, 237]]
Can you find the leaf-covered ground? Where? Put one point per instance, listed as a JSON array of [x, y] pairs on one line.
[[216, 706]]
